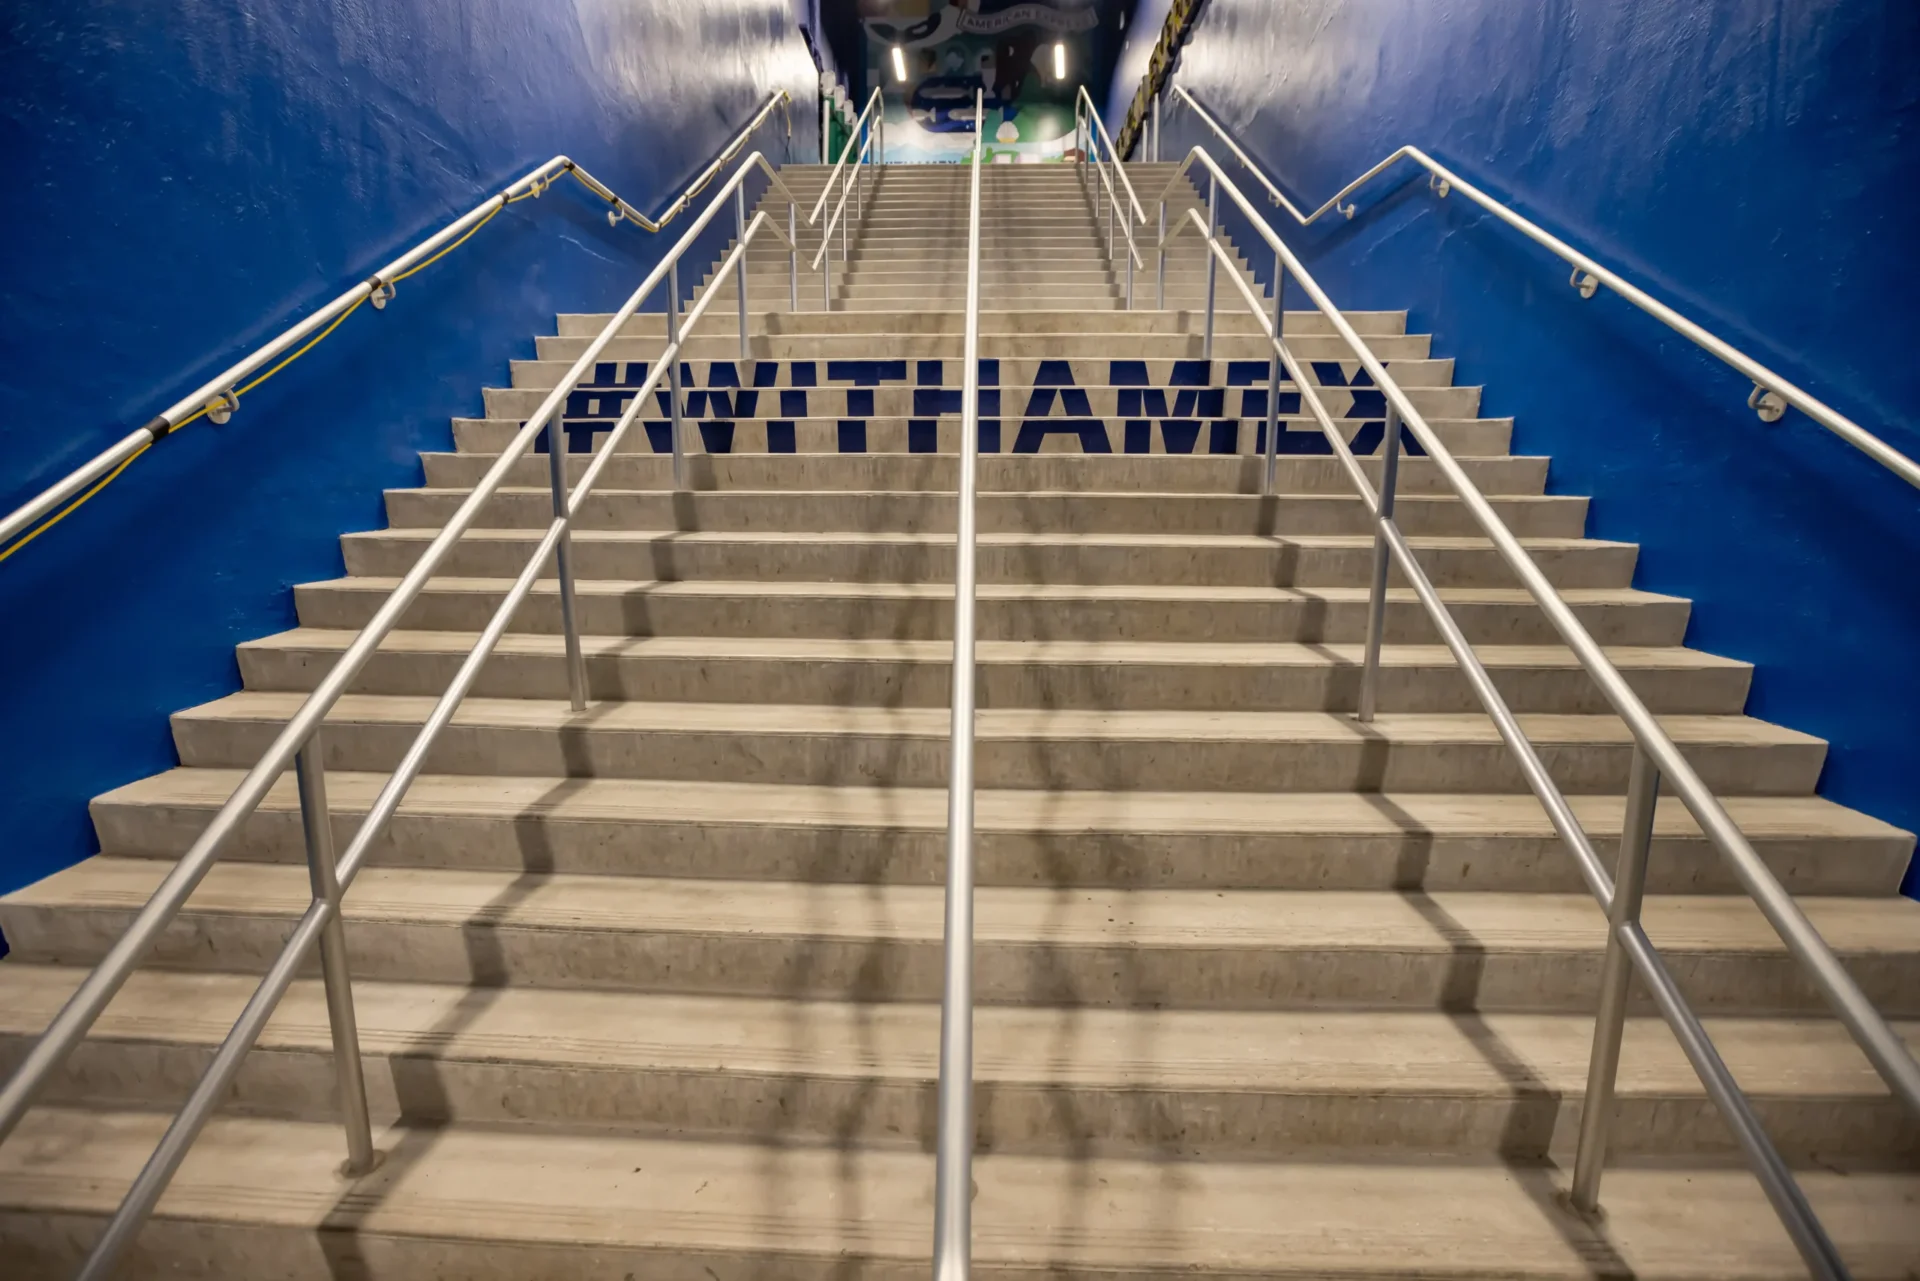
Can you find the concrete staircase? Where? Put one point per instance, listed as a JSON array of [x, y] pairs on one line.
[[648, 990]]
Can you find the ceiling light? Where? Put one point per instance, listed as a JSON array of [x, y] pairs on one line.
[[1059, 62], [899, 64]]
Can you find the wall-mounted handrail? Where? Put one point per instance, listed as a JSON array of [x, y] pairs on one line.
[[953, 1155], [1656, 757], [1091, 132], [868, 138], [1771, 393], [298, 745], [219, 397]]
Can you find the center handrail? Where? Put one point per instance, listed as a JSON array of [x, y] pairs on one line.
[[298, 745], [1772, 393], [953, 1152], [1090, 129], [867, 137], [1655, 756]]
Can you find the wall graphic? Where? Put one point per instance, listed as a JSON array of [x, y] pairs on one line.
[[955, 48]]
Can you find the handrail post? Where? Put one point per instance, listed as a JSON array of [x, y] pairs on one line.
[[349, 1075], [1155, 154], [563, 558], [1129, 276], [793, 255], [1609, 1022], [740, 272], [1377, 595], [1213, 261], [672, 356], [1273, 379], [1160, 296]]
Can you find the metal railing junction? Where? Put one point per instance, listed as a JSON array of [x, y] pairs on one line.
[[1095, 148]]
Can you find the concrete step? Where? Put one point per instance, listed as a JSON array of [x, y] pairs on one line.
[[1054, 674], [653, 324], [1303, 560], [936, 474], [722, 342], [458, 1202], [1075, 403], [1083, 1081], [1139, 949], [887, 463], [1103, 397], [924, 611], [1528, 515], [1406, 842], [1016, 748], [719, 428]]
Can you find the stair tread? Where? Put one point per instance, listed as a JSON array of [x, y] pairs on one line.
[[1268, 921], [882, 538], [1071, 592], [1014, 809], [1262, 654], [1319, 1052], [586, 1197], [1041, 723]]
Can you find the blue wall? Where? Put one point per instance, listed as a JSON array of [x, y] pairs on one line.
[[1752, 162], [189, 176]]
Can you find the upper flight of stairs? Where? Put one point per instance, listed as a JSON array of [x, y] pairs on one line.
[[650, 989]]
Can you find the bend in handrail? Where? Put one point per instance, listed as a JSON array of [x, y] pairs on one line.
[[953, 1152], [1093, 113], [854, 137], [85, 1005], [1768, 1167], [217, 397], [1772, 392]]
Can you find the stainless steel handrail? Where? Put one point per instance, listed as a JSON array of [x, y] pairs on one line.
[[1655, 756], [1090, 130], [867, 136], [217, 397], [953, 1157], [1772, 393], [298, 745]]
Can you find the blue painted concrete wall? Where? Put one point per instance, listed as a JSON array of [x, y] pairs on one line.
[[1752, 162], [189, 176]]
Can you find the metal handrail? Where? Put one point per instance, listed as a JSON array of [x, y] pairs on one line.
[[1655, 756], [218, 399], [953, 1157], [1090, 130], [869, 134], [1772, 393], [299, 745]]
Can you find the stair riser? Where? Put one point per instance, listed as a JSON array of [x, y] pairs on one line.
[[1238, 438], [1431, 377], [854, 758], [426, 1088], [717, 340], [1121, 973], [1082, 437], [1196, 685], [653, 324], [648, 611], [1091, 859], [1291, 515], [1293, 474], [669, 557]]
